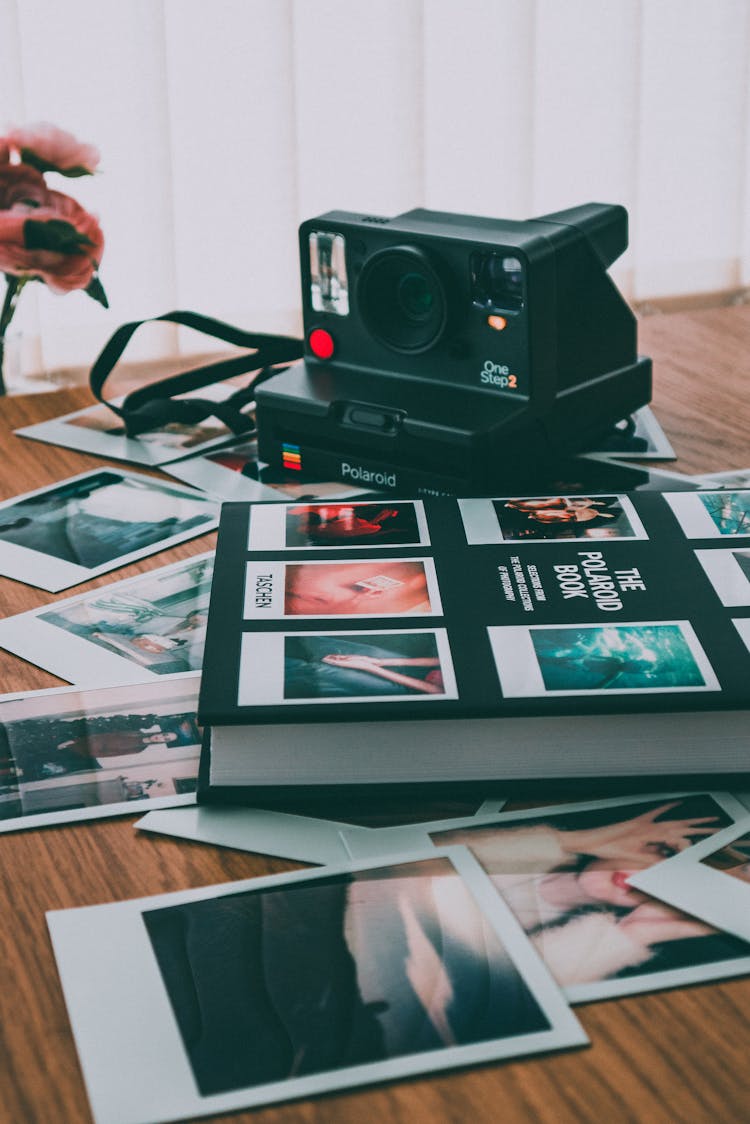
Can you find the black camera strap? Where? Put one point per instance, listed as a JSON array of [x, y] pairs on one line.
[[153, 406]]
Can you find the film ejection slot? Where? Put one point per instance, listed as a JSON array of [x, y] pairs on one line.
[[365, 417]]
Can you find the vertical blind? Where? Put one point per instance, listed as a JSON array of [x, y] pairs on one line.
[[223, 125]]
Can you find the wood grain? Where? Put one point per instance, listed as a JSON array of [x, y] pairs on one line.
[[663, 1058]]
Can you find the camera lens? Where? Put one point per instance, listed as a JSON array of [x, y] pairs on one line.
[[401, 299]]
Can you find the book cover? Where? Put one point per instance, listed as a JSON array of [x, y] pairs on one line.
[[578, 624]]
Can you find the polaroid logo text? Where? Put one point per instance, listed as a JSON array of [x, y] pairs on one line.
[[263, 591], [364, 475], [498, 374]]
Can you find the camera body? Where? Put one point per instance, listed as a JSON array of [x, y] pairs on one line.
[[446, 353]]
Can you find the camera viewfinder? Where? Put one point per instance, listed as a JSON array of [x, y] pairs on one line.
[[329, 289]]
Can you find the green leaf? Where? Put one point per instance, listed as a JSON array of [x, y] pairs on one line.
[[28, 156], [96, 291], [55, 234]]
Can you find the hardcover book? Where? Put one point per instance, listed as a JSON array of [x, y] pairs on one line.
[[509, 639]]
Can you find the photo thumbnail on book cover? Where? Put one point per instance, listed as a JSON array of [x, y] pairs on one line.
[[357, 666], [124, 632], [71, 754], [380, 587], [338, 526]]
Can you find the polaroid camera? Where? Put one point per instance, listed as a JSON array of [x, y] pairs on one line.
[[447, 353]]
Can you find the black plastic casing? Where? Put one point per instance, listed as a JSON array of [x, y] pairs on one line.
[[437, 419]]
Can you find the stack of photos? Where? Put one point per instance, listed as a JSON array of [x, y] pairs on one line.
[[101, 431], [63, 535], [283, 834], [567, 873], [234, 473], [125, 632], [243, 994], [639, 436], [73, 754], [711, 880]]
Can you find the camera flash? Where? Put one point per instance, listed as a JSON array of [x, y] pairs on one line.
[[497, 322]]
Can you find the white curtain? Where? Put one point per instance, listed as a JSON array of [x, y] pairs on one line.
[[222, 125]]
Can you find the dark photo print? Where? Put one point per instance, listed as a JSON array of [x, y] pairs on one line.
[[564, 876], [337, 971], [98, 518], [564, 517], [361, 665], [347, 524], [84, 749]]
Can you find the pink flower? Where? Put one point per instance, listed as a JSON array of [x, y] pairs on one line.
[[50, 149], [22, 188], [58, 242]]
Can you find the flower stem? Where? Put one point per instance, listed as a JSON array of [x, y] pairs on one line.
[[14, 285]]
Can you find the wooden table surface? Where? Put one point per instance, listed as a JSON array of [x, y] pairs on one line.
[[674, 1056]]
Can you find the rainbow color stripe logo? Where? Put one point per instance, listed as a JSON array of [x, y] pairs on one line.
[[291, 456]]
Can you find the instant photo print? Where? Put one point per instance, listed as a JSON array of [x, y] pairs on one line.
[[307, 983], [70, 753], [151, 625], [711, 881], [567, 871], [67, 533], [445, 351], [100, 431]]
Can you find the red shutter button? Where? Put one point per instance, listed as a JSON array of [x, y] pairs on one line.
[[321, 343]]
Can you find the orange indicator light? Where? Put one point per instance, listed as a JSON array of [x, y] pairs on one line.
[[497, 322]]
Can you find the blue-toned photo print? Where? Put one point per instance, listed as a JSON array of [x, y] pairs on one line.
[[712, 515], [585, 659], [597, 658]]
